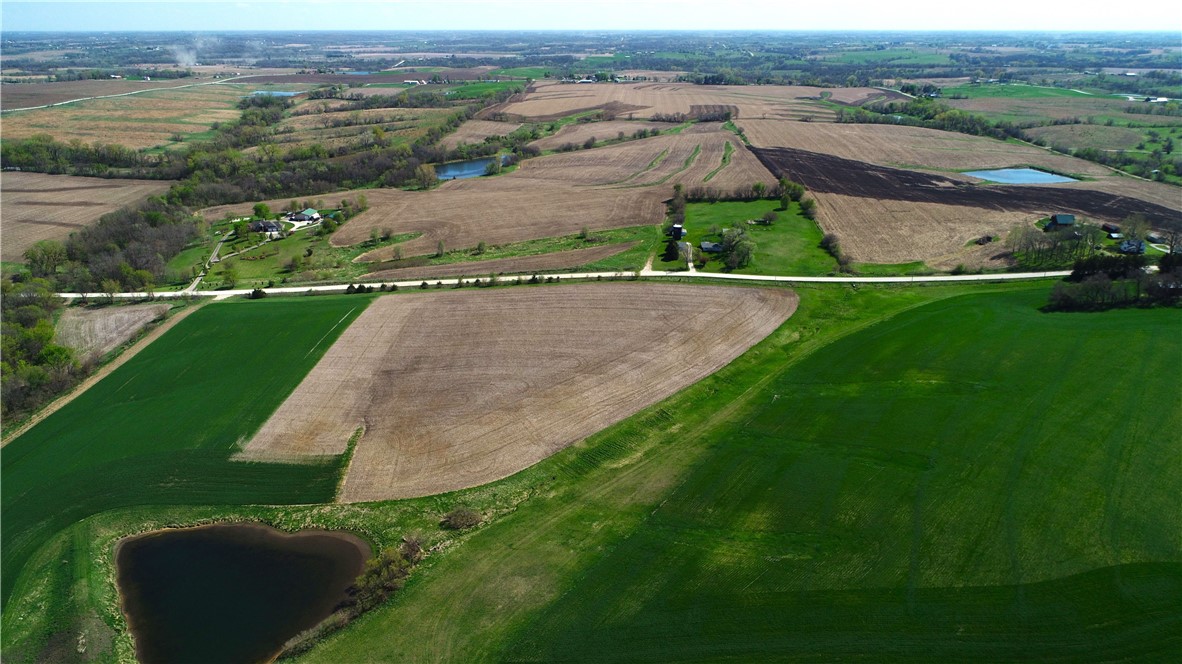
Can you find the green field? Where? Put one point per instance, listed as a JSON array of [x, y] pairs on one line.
[[1010, 91], [789, 246], [479, 90], [967, 479], [160, 429], [535, 73], [894, 56]]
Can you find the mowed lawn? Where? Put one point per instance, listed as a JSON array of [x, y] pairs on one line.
[[791, 245], [161, 428], [964, 479]]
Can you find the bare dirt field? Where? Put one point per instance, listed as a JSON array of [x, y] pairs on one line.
[[460, 388], [35, 207], [475, 131], [909, 147], [893, 215], [610, 187], [579, 132], [94, 332], [559, 260], [553, 100], [136, 121]]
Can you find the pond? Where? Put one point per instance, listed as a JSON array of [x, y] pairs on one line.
[[459, 170], [231, 592], [1020, 176]]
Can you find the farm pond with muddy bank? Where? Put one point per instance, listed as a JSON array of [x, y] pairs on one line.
[[231, 592]]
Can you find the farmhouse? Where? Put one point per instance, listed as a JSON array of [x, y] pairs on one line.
[[1132, 247], [265, 227], [711, 247]]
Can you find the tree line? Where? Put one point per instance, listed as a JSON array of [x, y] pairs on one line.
[[1100, 283]]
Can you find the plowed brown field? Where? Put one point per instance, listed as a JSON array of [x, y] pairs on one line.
[[559, 260], [35, 207], [460, 388], [552, 100]]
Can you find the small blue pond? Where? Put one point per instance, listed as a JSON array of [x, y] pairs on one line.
[[459, 170], [1020, 176], [275, 93]]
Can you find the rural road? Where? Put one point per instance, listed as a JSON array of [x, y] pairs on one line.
[[290, 290]]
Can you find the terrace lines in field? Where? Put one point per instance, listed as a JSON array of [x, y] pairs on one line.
[[458, 388]]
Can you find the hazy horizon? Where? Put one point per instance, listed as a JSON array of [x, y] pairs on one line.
[[598, 15]]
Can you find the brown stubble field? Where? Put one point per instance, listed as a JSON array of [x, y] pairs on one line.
[[35, 207], [910, 147], [136, 121], [95, 331], [578, 133], [890, 231], [474, 132], [460, 388], [40, 94], [553, 100]]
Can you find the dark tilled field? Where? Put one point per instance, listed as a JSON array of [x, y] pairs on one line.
[[828, 174]]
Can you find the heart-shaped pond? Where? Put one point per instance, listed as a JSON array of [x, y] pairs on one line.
[[231, 592]]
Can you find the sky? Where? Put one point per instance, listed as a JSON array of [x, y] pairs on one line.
[[190, 16]]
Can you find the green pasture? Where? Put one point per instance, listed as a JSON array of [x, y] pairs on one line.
[[894, 56], [644, 237], [536, 73], [161, 428], [791, 245], [895, 474], [479, 90], [1009, 91]]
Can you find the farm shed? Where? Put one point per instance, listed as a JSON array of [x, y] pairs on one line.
[[1110, 228], [711, 247], [678, 231], [1061, 221], [306, 215]]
